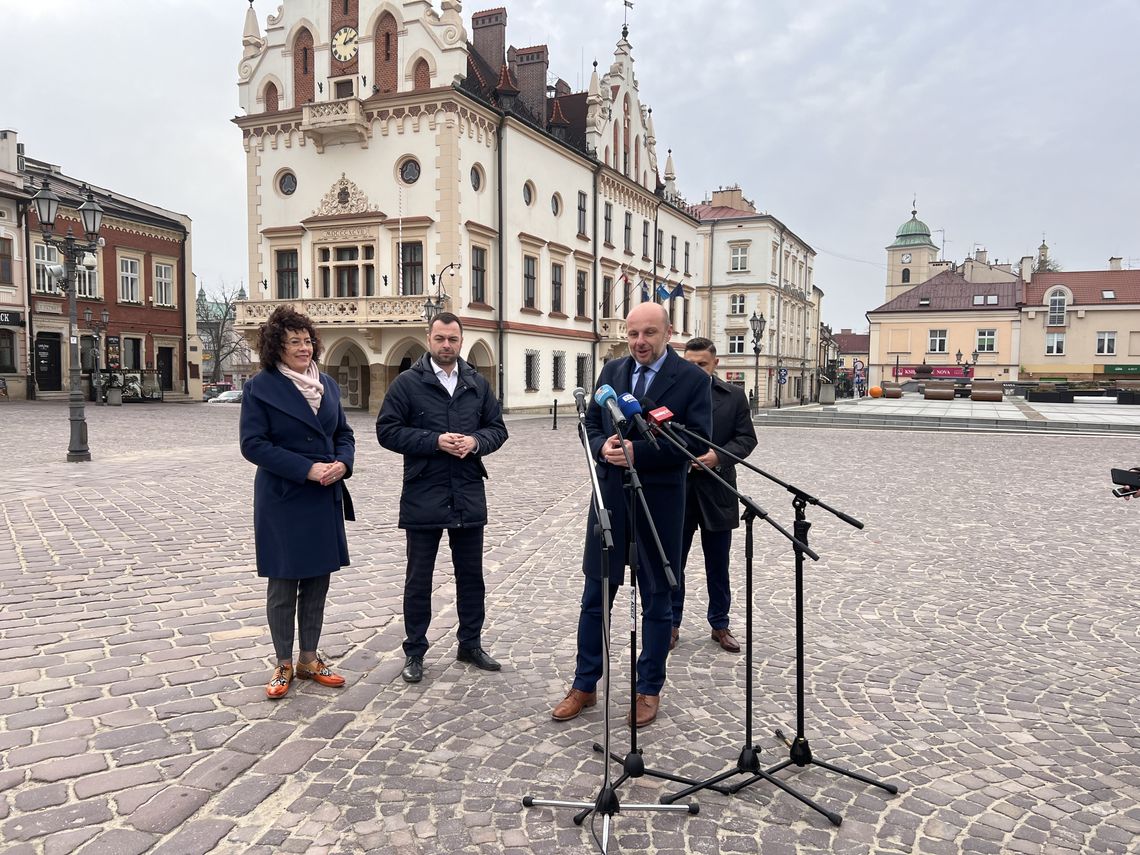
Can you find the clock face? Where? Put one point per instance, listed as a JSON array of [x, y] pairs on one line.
[[906, 258], [344, 44]]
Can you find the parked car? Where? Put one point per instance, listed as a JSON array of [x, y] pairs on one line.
[[212, 390], [233, 396]]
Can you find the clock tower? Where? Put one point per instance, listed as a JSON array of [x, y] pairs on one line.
[[344, 37], [910, 258]]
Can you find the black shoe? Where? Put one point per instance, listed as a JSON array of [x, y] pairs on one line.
[[413, 669], [478, 657]]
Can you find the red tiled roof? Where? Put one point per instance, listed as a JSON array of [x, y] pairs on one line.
[[853, 342], [950, 292], [721, 212], [1086, 286], [556, 117]]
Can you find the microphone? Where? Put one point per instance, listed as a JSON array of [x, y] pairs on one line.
[[660, 416], [632, 409], [607, 397], [580, 400]]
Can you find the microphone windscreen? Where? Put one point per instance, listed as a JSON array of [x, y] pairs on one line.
[[605, 392], [629, 405]]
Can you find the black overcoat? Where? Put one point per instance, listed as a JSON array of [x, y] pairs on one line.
[[684, 389], [440, 490], [298, 525], [715, 506]]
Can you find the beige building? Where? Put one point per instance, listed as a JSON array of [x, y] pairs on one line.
[[15, 361], [1082, 325], [756, 265], [393, 159]]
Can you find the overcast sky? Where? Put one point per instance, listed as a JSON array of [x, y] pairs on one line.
[[1007, 120]]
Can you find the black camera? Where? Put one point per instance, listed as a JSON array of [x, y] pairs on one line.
[[1129, 481]]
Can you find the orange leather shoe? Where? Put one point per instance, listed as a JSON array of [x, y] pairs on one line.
[[279, 685], [319, 672]]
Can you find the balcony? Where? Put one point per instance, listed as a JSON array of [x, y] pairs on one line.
[[335, 122], [611, 330], [339, 311]]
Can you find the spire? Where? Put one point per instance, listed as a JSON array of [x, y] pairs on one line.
[[252, 30], [558, 125], [670, 176], [505, 89]]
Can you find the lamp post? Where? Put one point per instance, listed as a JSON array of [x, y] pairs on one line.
[[757, 322], [966, 366], [434, 305], [98, 327], [73, 251]]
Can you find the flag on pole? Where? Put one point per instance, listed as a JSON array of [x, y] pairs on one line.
[[644, 286], [663, 291], [679, 291]]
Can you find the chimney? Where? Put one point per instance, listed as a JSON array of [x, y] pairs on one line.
[[732, 197], [9, 149], [980, 255], [1026, 267], [532, 65], [490, 35], [1114, 263]]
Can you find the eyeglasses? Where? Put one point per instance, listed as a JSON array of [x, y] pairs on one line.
[[295, 343]]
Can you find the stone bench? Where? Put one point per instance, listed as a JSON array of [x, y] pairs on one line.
[[938, 390], [891, 390], [986, 390]]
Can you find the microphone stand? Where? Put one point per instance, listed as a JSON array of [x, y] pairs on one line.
[[606, 803], [799, 748]]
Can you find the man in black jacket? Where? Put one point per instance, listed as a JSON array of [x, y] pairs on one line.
[[708, 504], [443, 417]]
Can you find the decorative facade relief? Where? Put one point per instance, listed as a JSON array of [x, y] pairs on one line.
[[344, 197]]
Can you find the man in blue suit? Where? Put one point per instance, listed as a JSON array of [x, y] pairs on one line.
[[652, 370]]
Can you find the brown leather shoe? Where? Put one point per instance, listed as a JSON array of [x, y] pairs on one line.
[[572, 705], [724, 638], [319, 672], [646, 706], [673, 638], [279, 684]]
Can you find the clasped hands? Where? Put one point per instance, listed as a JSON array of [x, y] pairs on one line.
[[326, 473], [612, 453], [456, 444]]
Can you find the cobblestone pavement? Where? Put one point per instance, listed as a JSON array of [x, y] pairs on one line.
[[977, 644]]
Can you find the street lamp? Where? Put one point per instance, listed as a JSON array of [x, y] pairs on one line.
[[757, 322], [434, 305], [98, 327], [73, 251], [966, 366]]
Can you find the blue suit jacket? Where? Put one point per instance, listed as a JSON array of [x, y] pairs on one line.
[[684, 389]]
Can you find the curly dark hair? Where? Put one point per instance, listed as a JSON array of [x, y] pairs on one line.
[[271, 335]]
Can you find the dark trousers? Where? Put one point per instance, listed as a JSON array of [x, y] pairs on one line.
[[296, 603], [716, 546], [656, 624], [467, 558]]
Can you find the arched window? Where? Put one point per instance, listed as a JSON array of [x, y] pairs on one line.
[[422, 75], [906, 275], [271, 98], [625, 137], [303, 68], [386, 75], [617, 144], [1057, 303], [636, 157]]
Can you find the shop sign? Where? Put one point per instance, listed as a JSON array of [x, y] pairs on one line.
[[9, 319]]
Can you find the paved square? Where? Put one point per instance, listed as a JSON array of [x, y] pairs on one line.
[[977, 644]]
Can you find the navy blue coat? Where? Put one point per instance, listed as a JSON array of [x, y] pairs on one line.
[[298, 525], [440, 489], [714, 506], [683, 388]]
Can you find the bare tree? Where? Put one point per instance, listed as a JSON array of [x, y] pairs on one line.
[[216, 313], [1051, 265]]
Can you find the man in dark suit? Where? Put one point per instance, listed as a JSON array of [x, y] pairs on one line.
[[708, 503], [653, 370]]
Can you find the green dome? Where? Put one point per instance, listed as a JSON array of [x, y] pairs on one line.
[[914, 232]]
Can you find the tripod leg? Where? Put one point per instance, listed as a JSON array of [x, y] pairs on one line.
[[890, 788], [834, 818]]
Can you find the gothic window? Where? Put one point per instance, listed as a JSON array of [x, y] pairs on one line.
[[303, 87], [386, 67], [271, 104], [625, 137], [422, 75], [906, 275]]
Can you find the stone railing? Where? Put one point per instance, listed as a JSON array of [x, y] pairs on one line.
[[611, 329], [334, 121], [346, 310]]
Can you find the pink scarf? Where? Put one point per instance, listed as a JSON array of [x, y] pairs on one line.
[[308, 384]]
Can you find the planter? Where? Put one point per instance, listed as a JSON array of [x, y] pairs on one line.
[[114, 396], [827, 393]]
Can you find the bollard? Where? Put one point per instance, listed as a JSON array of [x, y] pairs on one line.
[[555, 411]]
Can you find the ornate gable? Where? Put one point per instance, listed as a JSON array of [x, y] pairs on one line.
[[344, 197]]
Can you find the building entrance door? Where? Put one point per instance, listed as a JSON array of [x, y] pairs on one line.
[[166, 369], [49, 371]]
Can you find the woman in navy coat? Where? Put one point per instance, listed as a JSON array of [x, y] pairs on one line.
[[293, 428]]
